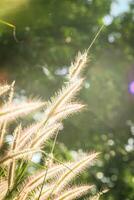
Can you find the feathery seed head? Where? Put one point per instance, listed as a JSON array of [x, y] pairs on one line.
[[4, 89], [78, 66], [76, 168], [12, 111], [74, 192]]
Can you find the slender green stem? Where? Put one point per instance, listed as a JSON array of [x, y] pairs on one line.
[[96, 36]]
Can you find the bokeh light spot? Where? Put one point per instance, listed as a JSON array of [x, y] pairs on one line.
[[131, 87]]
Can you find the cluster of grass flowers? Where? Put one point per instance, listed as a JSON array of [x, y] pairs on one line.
[[52, 180]]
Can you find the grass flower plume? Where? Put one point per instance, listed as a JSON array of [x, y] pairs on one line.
[[53, 180]]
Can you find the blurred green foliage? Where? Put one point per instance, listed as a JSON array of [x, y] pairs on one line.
[[51, 32]]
